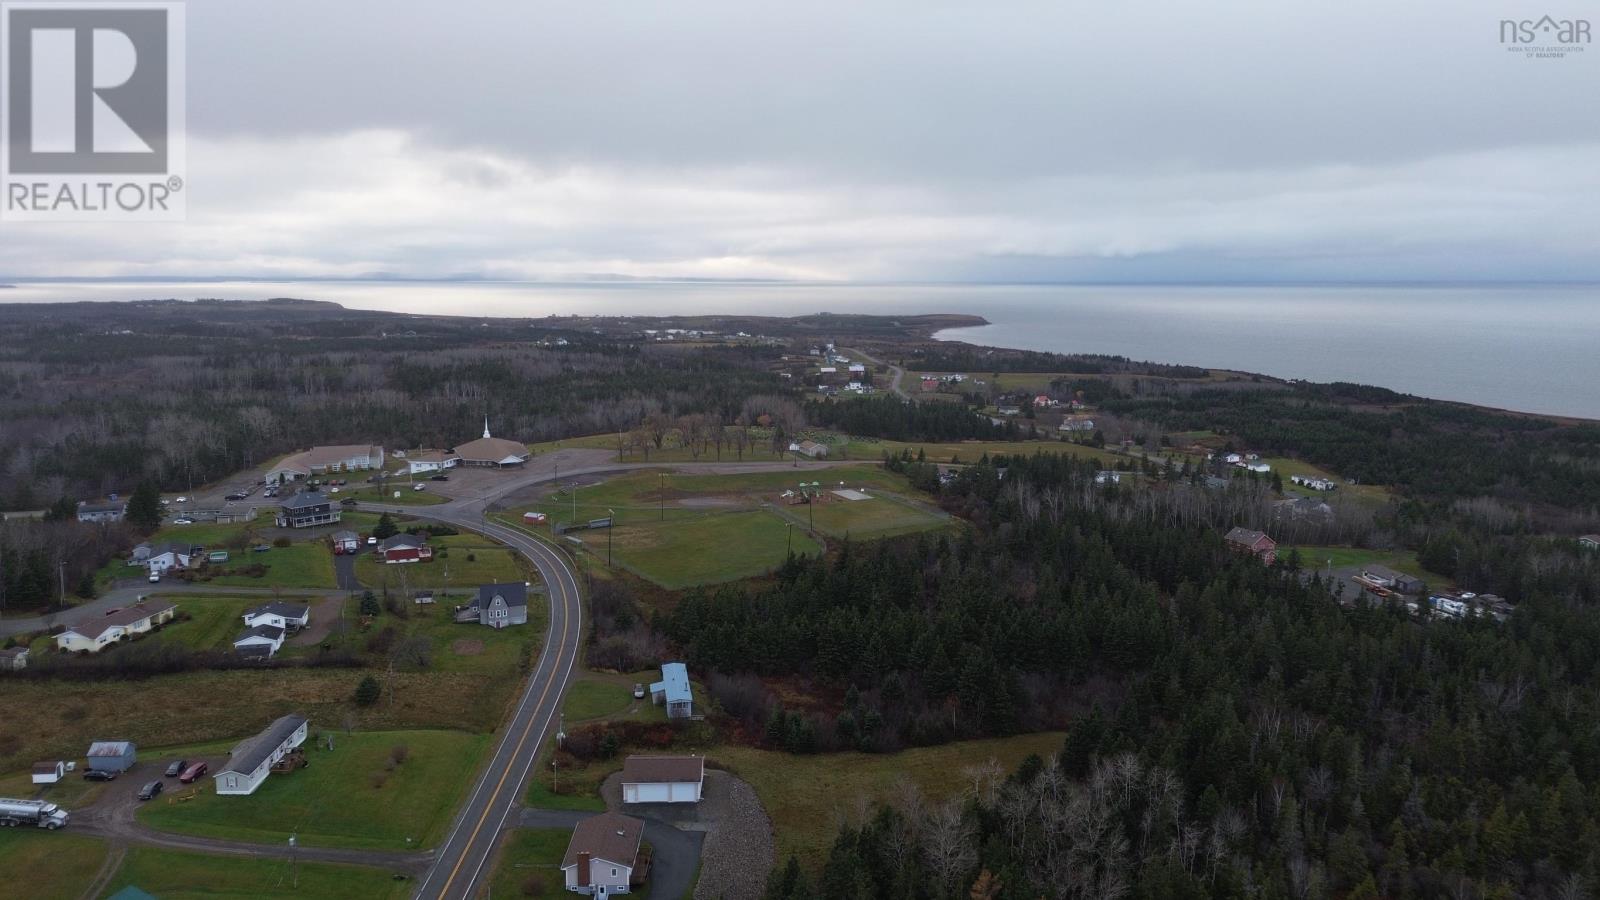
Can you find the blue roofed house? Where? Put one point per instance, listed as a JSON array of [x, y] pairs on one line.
[[673, 691]]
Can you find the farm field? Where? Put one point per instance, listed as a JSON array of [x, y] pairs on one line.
[[177, 875], [528, 863], [55, 865], [489, 563], [804, 795], [352, 796]]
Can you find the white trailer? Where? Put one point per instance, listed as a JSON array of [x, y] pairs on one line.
[[31, 812]]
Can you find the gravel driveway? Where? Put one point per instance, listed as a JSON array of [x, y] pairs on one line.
[[738, 850]]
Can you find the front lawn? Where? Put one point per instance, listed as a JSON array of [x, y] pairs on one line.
[[177, 875], [529, 863], [352, 796], [460, 562]]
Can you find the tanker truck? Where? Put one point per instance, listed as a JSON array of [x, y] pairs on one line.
[[37, 813]]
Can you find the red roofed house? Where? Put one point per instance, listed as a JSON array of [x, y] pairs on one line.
[[405, 548], [1255, 543]]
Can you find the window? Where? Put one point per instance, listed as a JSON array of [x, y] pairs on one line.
[[613, 873]]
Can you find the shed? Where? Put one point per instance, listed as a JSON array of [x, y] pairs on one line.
[[49, 771], [111, 756], [673, 691], [663, 779]]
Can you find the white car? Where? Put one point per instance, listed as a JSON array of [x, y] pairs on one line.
[[371, 541], [183, 499], [183, 520], [155, 577]]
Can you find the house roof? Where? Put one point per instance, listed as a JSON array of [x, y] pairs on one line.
[[249, 650], [304, 500], [1591, 538], [403, 540], [94, 626], [105, 506], [48, 767], [322, 457], [13, 652], [250, 753], [346, 536], [660, 769], [279, 608], [610, 836], [515, 593], [1386, 573], [1246, 536], [433, 456], [166, 547], [270, 632], [111, 749], [492, 449], [674, 683]]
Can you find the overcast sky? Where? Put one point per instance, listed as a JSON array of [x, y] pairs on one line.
[[1066, 140]]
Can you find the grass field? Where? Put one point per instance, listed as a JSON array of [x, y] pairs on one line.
[[591, 698], [53, 865], [71, 792], [407, 495], [707, 549], [806, 795], [347, 797], [46, 720], [874, 518], [1288, 467], [490, 563], [176, 875], [212, 623], [972, 451], [308, 564], [1317, 558], [528, 863]]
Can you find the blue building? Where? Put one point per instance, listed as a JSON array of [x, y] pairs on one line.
[[673, 690]]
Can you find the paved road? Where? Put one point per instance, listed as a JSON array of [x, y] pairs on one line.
[[677, 852], [462, 861], [894, 382]]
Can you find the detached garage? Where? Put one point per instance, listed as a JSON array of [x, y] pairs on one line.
[[663, 779]]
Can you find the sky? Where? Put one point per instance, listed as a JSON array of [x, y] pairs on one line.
[[1141, 140]]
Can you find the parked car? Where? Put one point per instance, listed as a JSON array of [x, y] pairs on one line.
[[371, 541], [638, 691], [419, 487], [99, 775], [183, 520], [176, 767], [183, 499], [348, 501], [193, 772], [237, 495], [150, 790], [155, 577], [261, 548], [439, 477]]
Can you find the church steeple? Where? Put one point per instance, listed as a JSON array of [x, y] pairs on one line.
[[485, 426]]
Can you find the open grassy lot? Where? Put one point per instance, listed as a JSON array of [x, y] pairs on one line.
[[352, 796], [804, 795], [473, 648], [592, 698], [877, 517], [398, 493], [1318, 558], [708, 549], [176, 875], [528, 863], [47, 720], [459, 561], [1288, 467], [53, 865], [308, 564]]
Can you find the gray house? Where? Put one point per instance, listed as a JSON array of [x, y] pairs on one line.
[[307, 509], [497, 605], [112, 756], [109, 511]]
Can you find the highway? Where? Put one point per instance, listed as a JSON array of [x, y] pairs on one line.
[[461, 863]]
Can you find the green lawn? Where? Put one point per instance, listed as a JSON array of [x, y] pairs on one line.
[[474, 648], [348, 797], [803, 795], [54, 865], [708, 549], [877, 517], [1318, 558], [594, 699], [71, 792], [408, 495], [207, 623], [308, 564], [529, 863], [489, 563], [176, 875]]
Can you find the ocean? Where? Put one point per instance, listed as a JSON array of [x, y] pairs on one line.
[[1527, 348]]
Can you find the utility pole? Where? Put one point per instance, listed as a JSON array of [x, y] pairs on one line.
[[574, 503], [61, 569], [663, 493], [788, 534], [610, 529], [294, 868]]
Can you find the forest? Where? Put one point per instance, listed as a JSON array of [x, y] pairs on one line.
[[1232, 728]]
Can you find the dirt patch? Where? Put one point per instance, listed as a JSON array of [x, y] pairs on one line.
[[701, 502], [466, 647]]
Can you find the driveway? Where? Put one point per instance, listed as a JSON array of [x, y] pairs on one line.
[[344, 572], [677, 853]]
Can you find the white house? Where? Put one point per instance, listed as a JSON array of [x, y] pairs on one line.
[[427, 461], [252, 758], [169, 555], [602, 854], [109, 511], [1076, 424], [1108, 476], [1590, 542], [259, 640], [13, 659], [288, 616], [95, 633], [663, 779]]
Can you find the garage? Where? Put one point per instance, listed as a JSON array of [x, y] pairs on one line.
[[663, 779]]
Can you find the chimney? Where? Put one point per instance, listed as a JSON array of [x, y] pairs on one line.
[[583, 870]]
